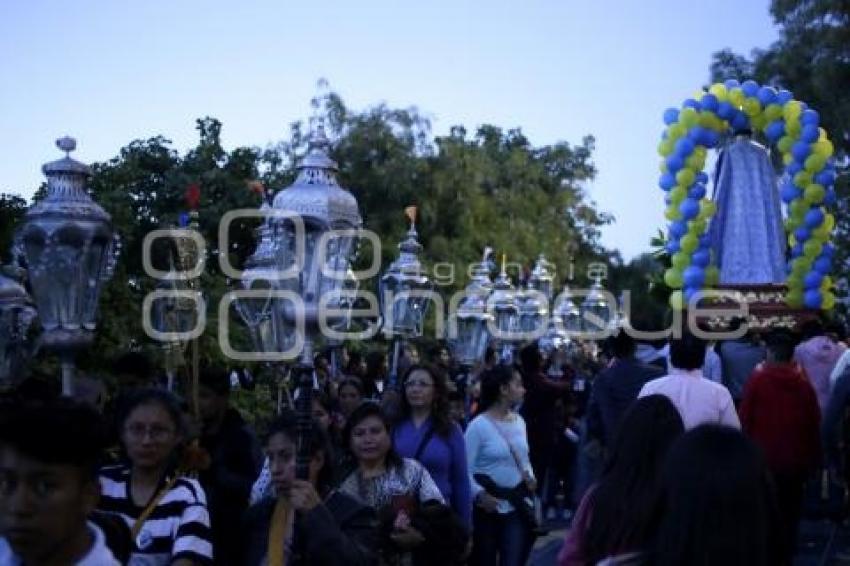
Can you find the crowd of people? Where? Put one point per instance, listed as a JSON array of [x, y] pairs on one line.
[[685, 452]]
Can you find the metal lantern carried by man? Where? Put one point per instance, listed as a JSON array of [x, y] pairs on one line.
[[68, 247]]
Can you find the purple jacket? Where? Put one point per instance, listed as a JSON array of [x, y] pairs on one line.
[[818, 356]]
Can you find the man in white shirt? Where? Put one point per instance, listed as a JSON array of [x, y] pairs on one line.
[[698, 400], [48, 486]]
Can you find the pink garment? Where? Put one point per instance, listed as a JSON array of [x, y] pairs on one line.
[[572, 553], [818, 356], [698, 400]]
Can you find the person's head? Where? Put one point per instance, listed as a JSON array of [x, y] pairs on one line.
[[152, 427], [687, 352], [531, 359], [457, 407], [350, 393], [281, 450], [716, 503], [356, 366], [49, 455], [622, 345], [322, 410], [133, 370], [780, 347], [213, 396], [425, 388], [439, 354], [811, 328], [501, 385], [367, 436], [491, 357], [376, 365], [625, 497]]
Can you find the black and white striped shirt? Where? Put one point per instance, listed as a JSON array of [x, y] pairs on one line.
[[178, 527]]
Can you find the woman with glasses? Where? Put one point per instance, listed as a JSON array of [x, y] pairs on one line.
[[165, 511], [426, 433]]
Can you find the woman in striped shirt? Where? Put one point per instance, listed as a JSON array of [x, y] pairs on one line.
[[166, 512]]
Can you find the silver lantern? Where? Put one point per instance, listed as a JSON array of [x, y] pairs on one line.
[[404, 294], [542, 277], [330, 218], [16, 316], [505, 305], [596, 305], [534, 303], [566, 313], [470, 336], [68, 246]]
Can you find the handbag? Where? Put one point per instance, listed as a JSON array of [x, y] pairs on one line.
[[826, 497], [526, 502]]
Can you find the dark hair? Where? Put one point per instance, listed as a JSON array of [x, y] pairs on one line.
[[439, 408], [622, 345], [135, 364], [216, 379], [492, 381], [623, 502], [351, 381], [530, 359], [353, 367], [56, 432], [811, 328], [159, 397], [781, 346], [360, 414], [687, 352], [287, 424], [490, 355], [716, 503]]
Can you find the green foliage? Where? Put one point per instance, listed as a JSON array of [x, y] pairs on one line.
[[12, 209]]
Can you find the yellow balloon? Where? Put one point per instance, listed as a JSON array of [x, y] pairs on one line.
[[665, 148], [712, 276], [673, 278], [752, 107], [737, 97], [803, 178], [784, 144], [829, 222], [814, 163], [759, 122], [688, 117], [696, 226], [719, 90], [701, 151], [792, 223], [672, 213], [787, 159], [707, 208], [794, 298], [824, 148], [685, 177], [772, 112], [676, 131], [677, 301], [695, 162], [822, 134], [814, 194], [793, 128], [792, 110], [792, 240], [828, 302], [677, 195], [826, 284], [689, 243]]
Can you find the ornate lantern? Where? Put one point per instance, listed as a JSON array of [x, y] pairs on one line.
[[16, 317], [330, 219], [404, 294], [566, 312], [542, 277], [471, 317], [68, 247], [597, 305], [534, 304], [505, 306]]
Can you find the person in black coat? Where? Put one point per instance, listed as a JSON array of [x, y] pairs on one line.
[[318, 525]]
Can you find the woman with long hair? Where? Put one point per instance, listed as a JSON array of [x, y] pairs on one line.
[[397, 488], [165, 510], [426, 433], [716, 503], [615, 516], [501, 474]]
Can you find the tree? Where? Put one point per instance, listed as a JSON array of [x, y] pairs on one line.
[[12, 210]]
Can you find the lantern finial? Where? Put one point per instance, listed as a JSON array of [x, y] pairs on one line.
[[66, 144]]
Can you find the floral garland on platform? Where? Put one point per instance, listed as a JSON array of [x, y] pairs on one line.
[[807, 186]]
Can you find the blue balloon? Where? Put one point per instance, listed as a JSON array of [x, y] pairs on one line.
[[789, 193], [812, 299], [696, 135], [667, 181], [814, 218], [828, 250], [688, 294], [678, 229], [809, 133], [702, 177], [822, 265], [674, 163], [813, 280], [793, 168], [740, 121], [750, 88], [797, 250], [709, 102], [725, 110], [810, 117], [775, 130], [701, 258], [784, 96], [691, 103], [800, 151], [711, 139], [673, 247], [704, 242], [802, 234], [183, 219], [689, 208], [694, 276], [697, 191], [830, 198], [731, 83], [684, 148], [671, 115], [766, 95], [825, 178]]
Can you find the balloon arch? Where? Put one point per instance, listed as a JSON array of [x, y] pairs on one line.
[[807, 186]]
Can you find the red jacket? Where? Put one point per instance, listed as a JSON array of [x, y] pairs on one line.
[[780, 412]]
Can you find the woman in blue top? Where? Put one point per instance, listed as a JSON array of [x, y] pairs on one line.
[[426, 433]]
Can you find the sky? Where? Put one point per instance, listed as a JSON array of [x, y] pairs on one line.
[[110, 72]]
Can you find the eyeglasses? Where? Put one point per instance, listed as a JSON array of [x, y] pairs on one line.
[[418, 383], [137, 431]]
